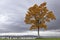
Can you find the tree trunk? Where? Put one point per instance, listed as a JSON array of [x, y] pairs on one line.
[[38, 33]]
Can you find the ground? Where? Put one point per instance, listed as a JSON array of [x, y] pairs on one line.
[[34, 39], [49, 39]]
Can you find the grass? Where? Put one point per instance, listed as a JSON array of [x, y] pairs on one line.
[[34, 39], [48, 39]]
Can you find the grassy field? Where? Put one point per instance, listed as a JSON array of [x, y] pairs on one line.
[[34, 39], [48, 39]]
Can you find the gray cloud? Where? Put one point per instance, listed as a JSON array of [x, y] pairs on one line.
[[15, 11]]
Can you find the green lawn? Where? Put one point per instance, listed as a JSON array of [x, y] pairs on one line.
[[48, 39], [34, 39]]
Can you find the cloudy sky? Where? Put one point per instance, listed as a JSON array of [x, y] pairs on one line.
[[12, 13]]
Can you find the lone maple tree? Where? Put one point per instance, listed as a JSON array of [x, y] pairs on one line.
[[37, 16]]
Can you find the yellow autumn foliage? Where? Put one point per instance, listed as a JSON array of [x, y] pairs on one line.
[[41, 15], [43, 25], [33, 27], [51, 15], [33, 21], [47, 20], [42, 5], [45, 10]]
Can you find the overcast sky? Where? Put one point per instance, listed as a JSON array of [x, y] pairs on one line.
[[12, 13]]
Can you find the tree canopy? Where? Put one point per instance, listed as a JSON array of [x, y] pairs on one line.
[[38, 15]]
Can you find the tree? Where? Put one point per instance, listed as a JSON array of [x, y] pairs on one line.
[[37, 16]]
